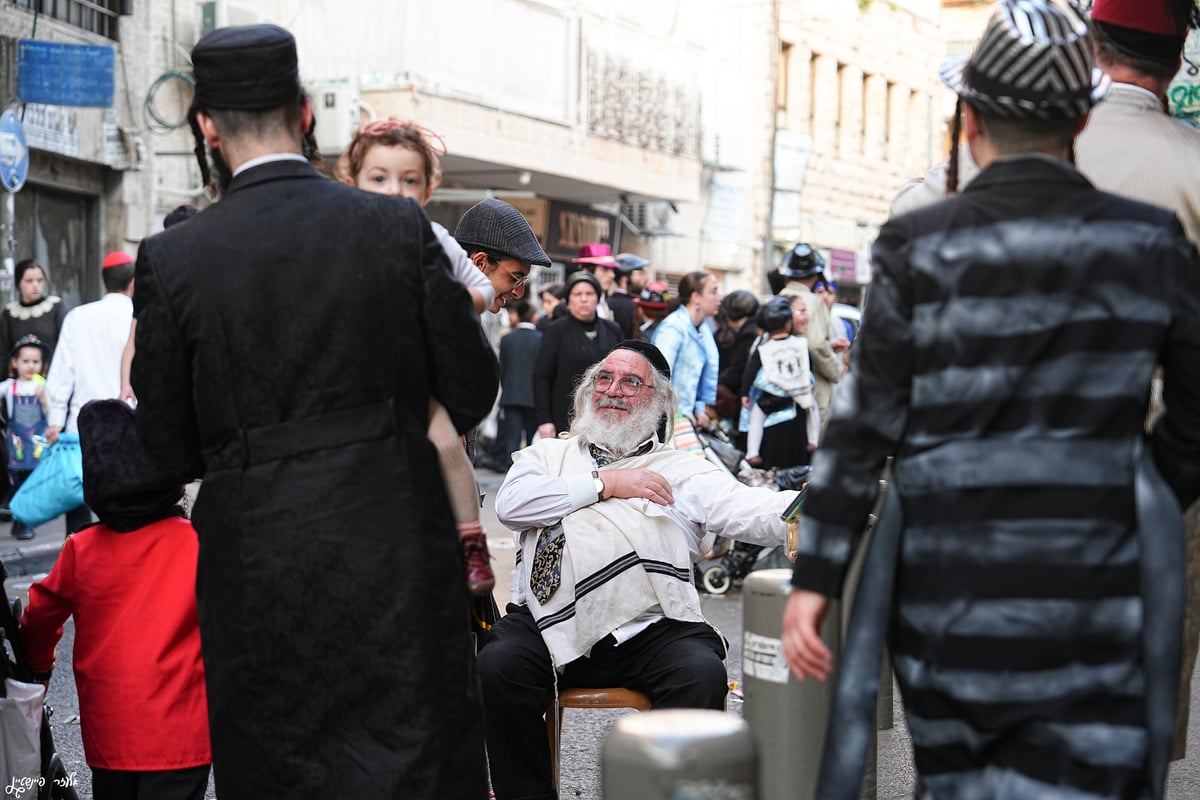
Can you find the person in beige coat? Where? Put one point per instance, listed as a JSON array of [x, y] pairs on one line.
[[1133, 147]]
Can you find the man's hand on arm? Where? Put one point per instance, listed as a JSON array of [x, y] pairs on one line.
[[806, 653], [52, 433], [546, 430], [637, 483]]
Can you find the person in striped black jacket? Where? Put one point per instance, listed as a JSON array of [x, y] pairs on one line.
[[1026, 571]]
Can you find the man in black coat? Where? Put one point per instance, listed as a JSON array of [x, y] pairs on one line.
[[518, 353], [289, 340], [620, 300]]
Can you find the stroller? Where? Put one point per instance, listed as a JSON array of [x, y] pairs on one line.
[[54, 782], [741, 558]]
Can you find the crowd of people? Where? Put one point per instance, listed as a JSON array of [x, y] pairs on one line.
[[307, 631]]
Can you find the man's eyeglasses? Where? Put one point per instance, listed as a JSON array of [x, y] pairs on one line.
[[628, 385]]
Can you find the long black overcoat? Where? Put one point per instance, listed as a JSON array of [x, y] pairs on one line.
[[289, 341]]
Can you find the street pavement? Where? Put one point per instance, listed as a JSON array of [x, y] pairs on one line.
[[583, 730]]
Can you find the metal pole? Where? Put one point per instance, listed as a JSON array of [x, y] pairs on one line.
[[10, 244], [677, 753], [768, 254]]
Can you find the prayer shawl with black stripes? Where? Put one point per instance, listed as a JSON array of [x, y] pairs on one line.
[[620, 559]]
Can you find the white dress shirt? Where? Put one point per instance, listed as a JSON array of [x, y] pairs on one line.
[[710, 502], [87, 359]]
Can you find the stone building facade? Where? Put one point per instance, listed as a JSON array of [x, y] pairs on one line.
[[700, 134], [100, 178]]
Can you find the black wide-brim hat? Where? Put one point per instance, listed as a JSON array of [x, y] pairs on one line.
[[247, 68], [1034, 61]]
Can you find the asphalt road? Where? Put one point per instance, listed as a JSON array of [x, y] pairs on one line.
[[583, 731]]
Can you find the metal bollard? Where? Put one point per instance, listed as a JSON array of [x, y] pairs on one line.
[[788, 717], [679, 754]]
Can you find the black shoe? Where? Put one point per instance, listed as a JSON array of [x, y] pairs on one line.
[[5, 513], [25, 534]]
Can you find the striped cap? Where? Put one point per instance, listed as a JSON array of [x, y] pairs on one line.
[[1034, 61]]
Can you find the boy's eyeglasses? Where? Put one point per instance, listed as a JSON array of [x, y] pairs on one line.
[[628, 385], [520, 279]]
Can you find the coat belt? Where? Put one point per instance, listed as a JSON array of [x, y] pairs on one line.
[[295, 437]]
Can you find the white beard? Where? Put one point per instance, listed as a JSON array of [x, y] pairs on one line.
[[618, 436]]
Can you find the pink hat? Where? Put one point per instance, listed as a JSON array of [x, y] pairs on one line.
[[598, 254]]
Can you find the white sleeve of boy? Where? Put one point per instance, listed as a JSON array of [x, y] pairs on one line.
[[463, 269]]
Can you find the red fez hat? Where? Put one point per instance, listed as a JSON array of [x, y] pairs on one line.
[[1150, 29], [117, 258], [1151, 17]]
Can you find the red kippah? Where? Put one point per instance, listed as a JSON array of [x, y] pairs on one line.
[[117, 258], [1151, 17]]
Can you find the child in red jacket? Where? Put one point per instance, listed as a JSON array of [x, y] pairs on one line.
[[130, 583]]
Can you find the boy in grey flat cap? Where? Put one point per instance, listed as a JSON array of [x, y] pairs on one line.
[[501, 243]]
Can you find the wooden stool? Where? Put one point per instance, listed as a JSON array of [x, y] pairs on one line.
[[586, 698]]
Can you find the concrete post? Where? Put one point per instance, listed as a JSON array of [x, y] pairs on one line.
[[679, 753], [788, 717]]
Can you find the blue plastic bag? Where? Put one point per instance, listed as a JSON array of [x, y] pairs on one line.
[[54, 487]]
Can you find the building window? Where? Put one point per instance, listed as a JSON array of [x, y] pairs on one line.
[[889, 118], [782, 80], [94, 16], [842, 115], [866, 127], [813, 79]]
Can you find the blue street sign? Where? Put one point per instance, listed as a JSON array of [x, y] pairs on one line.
[[14, 154], [59, 74]]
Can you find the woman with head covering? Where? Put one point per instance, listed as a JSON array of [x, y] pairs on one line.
[[35, 311], [569, 346]]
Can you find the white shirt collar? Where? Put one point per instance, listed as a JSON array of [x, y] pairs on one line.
[[268, 158]]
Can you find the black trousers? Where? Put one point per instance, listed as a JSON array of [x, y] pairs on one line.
[[515, 422], [17, 478], [169, 784], [675, 664]]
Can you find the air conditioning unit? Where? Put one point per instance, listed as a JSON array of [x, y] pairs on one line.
[[635, 214], [651, 217], [223, 13], [336, 111]]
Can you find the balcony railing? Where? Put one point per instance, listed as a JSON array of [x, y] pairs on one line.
[[94, 17]]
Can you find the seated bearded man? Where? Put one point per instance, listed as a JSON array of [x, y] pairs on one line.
[[610, 521]]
